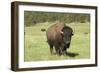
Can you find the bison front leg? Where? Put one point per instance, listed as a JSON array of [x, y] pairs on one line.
[[58, 50], [64, 50]]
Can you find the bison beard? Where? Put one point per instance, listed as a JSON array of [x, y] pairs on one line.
[[59, 35]]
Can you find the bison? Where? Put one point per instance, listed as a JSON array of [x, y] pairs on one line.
[[59, 36]]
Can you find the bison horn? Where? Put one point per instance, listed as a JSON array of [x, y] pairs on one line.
[[61, 32]]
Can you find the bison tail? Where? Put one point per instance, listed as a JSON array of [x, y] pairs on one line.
[[43, 30]]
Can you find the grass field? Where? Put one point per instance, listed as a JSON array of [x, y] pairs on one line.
[[37, 49]]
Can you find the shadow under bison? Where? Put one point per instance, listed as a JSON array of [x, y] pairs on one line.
[[70, 54]]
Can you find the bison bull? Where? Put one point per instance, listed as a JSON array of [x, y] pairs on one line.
[[59, 36]]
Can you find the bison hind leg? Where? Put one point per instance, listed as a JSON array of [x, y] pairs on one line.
[[51, 49]]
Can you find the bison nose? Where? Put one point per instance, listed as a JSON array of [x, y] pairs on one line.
[[67, 42], [67, 45]]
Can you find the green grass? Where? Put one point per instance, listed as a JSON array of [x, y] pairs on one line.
[[37, 49]]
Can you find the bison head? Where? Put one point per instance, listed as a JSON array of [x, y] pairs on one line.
[[67, 33]]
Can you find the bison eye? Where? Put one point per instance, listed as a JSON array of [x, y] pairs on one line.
[[72, 34]]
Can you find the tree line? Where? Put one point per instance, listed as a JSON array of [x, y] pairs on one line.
[[33, 17]]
